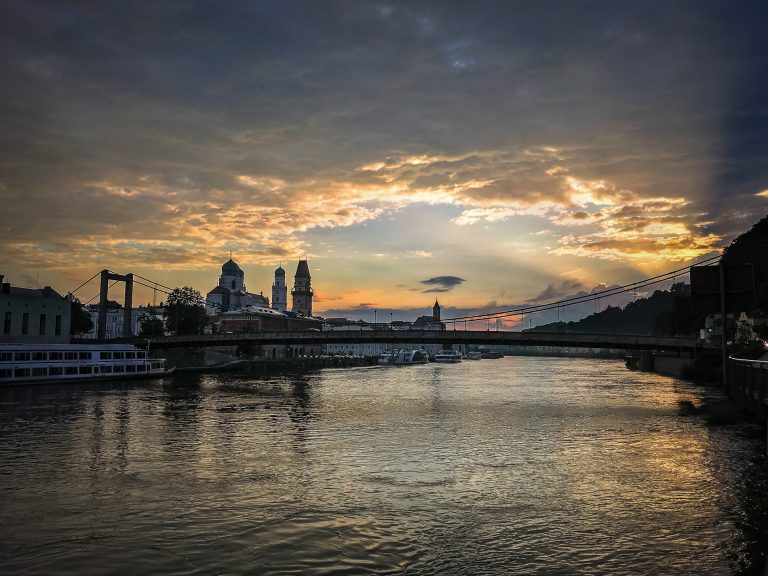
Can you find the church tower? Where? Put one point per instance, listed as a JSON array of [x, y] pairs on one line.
[[302, 290], [436, 310], [279, 291]]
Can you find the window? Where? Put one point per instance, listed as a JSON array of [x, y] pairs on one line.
[[6, 372], [55, 355], [117, 356], [7, 323], [141, 355], [39, 372], [130, 355], [25, 323], [70, 355], [130, 368], [42, 324], [106, 369], [69, 370], [106, 355], [58, 325], [21, 372], [39, 356], [85, 370], [6, 356], [85, 355], [119, 368], [55, 371], [21, 356]]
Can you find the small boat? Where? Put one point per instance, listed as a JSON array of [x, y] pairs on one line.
[[489, 355], [46, 363], [473, 355], [448, 356], [407, 357]]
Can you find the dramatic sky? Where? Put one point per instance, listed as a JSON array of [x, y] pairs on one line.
[[487, 153]]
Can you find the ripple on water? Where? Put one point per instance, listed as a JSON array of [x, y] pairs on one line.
[[512, 466]]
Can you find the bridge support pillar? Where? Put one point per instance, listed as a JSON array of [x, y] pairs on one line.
[[106, 276]]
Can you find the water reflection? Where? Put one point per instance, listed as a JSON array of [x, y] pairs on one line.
[[515, 466]]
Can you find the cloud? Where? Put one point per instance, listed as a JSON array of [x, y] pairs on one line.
[[442, 283], [556, 290]]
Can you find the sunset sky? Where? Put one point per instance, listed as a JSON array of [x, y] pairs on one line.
[[487, 153]]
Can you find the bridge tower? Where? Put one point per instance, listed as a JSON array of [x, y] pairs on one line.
[[279, 291], [302, 290], [106, 276]]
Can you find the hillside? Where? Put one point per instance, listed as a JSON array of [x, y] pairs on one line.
[[663, 313]]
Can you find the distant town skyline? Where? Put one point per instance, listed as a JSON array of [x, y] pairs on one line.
[[490, 154]]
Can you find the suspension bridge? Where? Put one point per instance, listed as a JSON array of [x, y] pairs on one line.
[[476, 327]]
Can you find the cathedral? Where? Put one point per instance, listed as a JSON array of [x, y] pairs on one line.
[[231, 294]]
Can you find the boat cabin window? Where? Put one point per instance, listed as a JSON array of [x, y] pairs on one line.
[[6, 356], [119, 368], [106, 355], [21, 356], [6, 372], [55, 355], [69, 370], [130, 355], [21, 372], [106, 369], [141, 355], [85, 370], [70, 355], [117, 355], [55, 371], [39, 356], [130, 368], [85, 355], [39, 371]]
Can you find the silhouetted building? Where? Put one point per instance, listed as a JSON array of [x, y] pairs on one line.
[[280, 291], [33, 315], [302, 290], [231, 294]]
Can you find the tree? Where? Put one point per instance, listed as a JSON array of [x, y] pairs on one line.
[[80, 320], [152, 327], [185, 311]]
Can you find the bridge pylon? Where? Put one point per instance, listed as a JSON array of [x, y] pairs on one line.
[[106, 276]]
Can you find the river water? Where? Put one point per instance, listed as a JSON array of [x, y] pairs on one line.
[[511, 466]]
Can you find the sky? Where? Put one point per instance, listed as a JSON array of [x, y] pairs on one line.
[[487, 154]]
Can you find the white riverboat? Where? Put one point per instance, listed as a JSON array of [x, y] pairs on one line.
[[448, 356], [388, 358], [44, 363], [408, 357]]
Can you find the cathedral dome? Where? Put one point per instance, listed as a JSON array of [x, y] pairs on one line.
[[279, 271], [231, 268]]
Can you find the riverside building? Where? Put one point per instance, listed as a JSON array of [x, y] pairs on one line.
[[33, 315]]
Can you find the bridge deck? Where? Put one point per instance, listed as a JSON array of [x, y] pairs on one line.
[[503, 338]]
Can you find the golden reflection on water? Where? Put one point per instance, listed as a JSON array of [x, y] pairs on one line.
[[512, 466]]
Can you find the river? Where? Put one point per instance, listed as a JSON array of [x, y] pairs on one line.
[[511, 466]]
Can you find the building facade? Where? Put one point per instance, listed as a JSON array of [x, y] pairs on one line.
[[33, 315], [231, 294], [302, 290], [279, 291]]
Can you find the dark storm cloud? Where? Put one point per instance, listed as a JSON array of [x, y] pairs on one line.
[[146, 113], [442, 283]]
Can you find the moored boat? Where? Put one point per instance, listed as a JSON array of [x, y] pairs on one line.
[[473, 355], [388, 358], [407, 357], [448, 356], [44, 363]]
